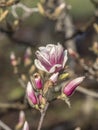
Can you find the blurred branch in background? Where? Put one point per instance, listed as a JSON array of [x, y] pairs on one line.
[[4, 126], [27, 11], [4, 3], [16, 106]]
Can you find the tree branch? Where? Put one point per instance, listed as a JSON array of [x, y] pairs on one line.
[[28, 11], [4, 126], [43, 113], [17, 106], [87, 92]]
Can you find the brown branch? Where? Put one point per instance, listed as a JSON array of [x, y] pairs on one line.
[[17, 106], [87, 92]]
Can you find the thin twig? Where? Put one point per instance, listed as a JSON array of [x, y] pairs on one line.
[[23, 85], [87, 92], [4, 126], [18, 106], [43, 113]]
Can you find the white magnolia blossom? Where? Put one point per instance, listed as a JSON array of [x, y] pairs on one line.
[[51, 58]]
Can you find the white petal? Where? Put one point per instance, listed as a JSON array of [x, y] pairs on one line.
[[53, 69], [29, 88], [65, 58], [39, 65], [60, 52], [41, 57], [42, 48], [53, 56], [49, 47], [54, 77]]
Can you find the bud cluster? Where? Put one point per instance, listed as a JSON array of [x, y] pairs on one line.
[[48, 78], [41, 89]]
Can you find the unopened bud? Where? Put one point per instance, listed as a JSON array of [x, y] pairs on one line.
[[31, 95], [73, 53], [54, 77], [13, 59], [28, 53], [26, 126], [21, 120], [21, 117], [37, 81], [27, 59], [72, 85]]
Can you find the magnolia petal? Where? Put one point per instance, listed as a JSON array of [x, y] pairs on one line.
[[53, 56], [49, 47], [39, 65], [54, 77], [42, 58], [42, 48], [65, 58], [60, 54], [55, 68]]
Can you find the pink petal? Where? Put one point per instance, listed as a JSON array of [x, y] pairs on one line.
[[65, 58], [54, 77], [53, 56], [60, 54], [55, 68], [39, 65]]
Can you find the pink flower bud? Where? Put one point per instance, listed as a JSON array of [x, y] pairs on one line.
[[13, 59], [21, 117], [72, 85], [38, 81], [73, 53], [54, 77], [26, 126], [21, 120], [28, 53], [31, 95]]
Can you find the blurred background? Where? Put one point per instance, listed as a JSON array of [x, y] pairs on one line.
[[35, 31]]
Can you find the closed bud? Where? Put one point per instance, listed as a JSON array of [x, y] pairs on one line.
[[42, 101], [28, 53], [13, 59], [21, 117], [54, 77], [26, 126], [37, 81], [27, 59], [21, 120], [72, 85], [73, 53], [32, 98]]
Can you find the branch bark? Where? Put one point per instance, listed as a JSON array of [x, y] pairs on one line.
[[43, 113]]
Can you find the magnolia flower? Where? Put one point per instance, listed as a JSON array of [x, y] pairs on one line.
[[26, 126], [51, 58], [72, 85], [31, 95]]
